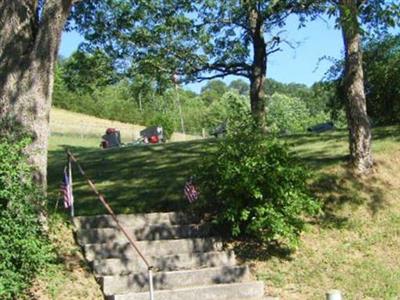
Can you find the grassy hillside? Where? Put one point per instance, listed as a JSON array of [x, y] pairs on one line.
[[141, 178], [354, 246], [69, 277], [71, 128]]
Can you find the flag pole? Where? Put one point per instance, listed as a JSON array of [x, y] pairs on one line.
[[70, 185], [175, 80]]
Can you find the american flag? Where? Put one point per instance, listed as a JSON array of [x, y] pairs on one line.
[[191, 191], [66, 190]]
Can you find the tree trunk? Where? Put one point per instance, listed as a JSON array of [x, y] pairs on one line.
[[259, 69], [356, 108], [28, 54]]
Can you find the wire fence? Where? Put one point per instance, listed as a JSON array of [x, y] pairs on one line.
[[129, 133]]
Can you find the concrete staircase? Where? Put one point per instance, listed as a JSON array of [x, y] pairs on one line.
[[188, 263]]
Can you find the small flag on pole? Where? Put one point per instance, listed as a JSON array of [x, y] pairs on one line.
[[66, 190], [191, 191]]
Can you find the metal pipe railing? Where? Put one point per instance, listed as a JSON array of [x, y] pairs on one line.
[[109, 209]]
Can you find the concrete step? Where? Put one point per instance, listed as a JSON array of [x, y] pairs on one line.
[[173, 280], [244, 290], [150, 232], [151, 248], [134, 220], [179, 261]]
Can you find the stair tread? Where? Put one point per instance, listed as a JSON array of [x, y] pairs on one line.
[[234, 284], [179, 261], [106, 221], [192, 254], [240, 287], [152, 232], [149, 248], [149, 242], [174, 279], [188, 262], [178, 271]]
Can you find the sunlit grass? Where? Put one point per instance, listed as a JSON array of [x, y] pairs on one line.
[[77, 127], [353, 246], [134, 179]]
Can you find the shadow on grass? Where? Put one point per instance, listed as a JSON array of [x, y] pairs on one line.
[[305, 138], [134, 179], [339, 190], [250, 250], [387, 133], [338, 193], [318, 159]]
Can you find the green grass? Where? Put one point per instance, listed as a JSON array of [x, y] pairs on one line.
[[133, 179], [353, 246], [59, 141], [322, 150], [151, 178]]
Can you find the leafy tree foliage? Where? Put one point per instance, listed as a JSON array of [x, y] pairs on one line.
[[258, 188], [195, 112], [291, 89], [84, 72], [213, 90], [380, 63], [375, 16], [167, 121], [137, 98], [24, 249], [289, 114], [240, 86], [323, 94], [198, 39], [229, 105]]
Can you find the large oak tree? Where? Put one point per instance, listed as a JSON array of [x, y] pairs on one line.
[[199, 39], [30, 33]]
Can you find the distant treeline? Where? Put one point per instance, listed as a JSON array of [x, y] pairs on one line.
[[91, 84]]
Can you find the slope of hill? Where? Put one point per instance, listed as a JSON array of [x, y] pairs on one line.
[[353, 246], [67, 127]]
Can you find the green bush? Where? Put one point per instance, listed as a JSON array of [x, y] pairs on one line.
[[288, 114], [255, 187], [166, 121], [194, 114], [24, 249], [228, 107]]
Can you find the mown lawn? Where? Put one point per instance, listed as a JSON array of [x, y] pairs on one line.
[[151, 178], [353, 246], [138, 178]]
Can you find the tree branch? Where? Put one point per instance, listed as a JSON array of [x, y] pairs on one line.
[[220, 67], [202, 78], [273, 51]]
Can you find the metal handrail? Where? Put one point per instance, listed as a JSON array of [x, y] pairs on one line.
[[109, 209]]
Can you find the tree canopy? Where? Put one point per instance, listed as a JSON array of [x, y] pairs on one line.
[[84, 72], [198, 39], [381, 62]]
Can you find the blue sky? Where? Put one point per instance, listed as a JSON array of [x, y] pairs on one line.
[[301, 64]]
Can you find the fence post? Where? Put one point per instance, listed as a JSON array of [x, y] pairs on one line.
[[334, 295]]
